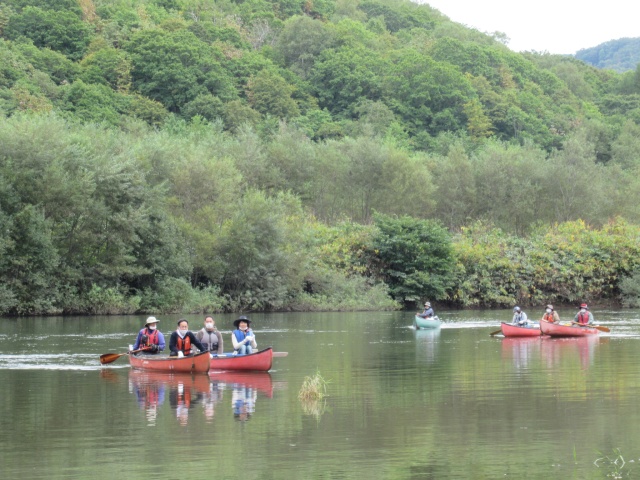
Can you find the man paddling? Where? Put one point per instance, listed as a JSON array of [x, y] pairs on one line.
[[584, 316], [150, 338]]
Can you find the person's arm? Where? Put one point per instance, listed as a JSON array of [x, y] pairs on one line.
[[234, 340], [161, 343], [220, 343], [576, 317], [197, 342], [252, 340], [591, 320], [136, 345], [524, 318], [556, 317], [173, 342]]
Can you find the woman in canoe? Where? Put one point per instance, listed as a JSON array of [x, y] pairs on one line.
[[210, 337], [244, 341], [584, 316], [182, 340], [550, 315], [150, 337]]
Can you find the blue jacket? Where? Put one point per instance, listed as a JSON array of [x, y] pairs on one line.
[[147, 332]]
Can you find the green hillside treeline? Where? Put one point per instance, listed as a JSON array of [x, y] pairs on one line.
[[191, 155]]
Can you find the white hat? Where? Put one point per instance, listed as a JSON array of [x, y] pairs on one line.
[[151, 320]]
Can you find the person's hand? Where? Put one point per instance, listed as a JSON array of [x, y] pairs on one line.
[[153, 348], [180, 354]]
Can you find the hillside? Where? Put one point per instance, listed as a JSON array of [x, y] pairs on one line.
[[189, 155], [620, 55]]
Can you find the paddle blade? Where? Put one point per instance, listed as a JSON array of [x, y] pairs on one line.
[[280, 354], [602, 329], [496, 332], [110, 357]]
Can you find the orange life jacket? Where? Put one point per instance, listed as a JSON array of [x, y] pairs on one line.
[[152, 337], [583, 318], [184, 344], [549, 317]]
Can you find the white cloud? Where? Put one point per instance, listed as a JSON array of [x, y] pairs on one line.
[[553, 26]]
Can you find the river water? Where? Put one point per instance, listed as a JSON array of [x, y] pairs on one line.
[[451, 403]]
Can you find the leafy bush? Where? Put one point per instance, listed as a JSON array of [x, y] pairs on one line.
[[630, 290]]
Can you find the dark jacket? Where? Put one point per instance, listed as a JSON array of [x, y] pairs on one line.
[[173, 342]]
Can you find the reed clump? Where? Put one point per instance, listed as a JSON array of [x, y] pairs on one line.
[[313, 388]]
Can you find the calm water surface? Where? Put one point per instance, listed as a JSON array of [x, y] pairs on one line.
[[451, 403]]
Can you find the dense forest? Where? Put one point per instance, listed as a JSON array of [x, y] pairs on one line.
[[192, 156], [620, 55]]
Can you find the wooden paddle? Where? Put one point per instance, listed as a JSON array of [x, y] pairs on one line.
[[496, 332], [280, 354], [597, 327], [112, 357]]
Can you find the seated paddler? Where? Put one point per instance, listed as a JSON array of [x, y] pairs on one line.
[[150, 338], [183, 340], [244, 341]]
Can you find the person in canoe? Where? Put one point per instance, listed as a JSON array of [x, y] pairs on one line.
[[427, 312], [210, 337], [550, 315], [182, 341], [244, 341], [584, 316], [150, 337], [519, 317]]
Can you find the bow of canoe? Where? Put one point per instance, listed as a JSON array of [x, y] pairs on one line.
[[431, 322], [258, 362]]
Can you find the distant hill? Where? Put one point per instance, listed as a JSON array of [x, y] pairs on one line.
[[620, 55]]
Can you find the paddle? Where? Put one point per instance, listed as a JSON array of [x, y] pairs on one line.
[[112, 357], [280, 354], [496, 332], [597, 327]]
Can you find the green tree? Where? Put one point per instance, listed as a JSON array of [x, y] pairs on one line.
[[414, 257], [269, 93], [175, 67], [62, 31]]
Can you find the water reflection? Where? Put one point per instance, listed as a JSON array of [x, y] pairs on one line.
[[245, 387], [427, 342], [556, 350], [185, 391], [520, 350]]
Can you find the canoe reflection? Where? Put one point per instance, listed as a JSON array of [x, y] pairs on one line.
[[520, 350], [245, 387], [427, 342], [185, 391], [555, 350]]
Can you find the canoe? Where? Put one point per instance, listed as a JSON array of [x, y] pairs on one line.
[[560, 330], [198, 363], [509, 330], [432, 322], [258, 362]]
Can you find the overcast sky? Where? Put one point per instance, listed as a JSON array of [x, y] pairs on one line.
[[559, 26]]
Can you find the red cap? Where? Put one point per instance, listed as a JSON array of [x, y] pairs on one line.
[[584, 305]]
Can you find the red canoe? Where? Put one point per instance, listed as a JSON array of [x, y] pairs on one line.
[[198, 363], [509, 330], [257, 362], [560, 330]]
